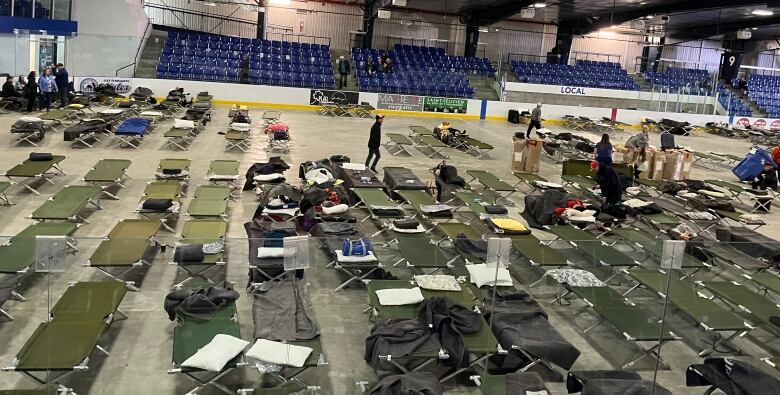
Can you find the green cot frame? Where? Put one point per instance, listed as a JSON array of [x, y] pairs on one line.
[[29, 171], [765, 281], [431, 144], [642, 242], [124, 248], [202, 231], [491, 182], [701, 309], [478, 147], [481, 344], [161, 190], [236, 139], [594, 250], [182, 165], [719, 252], [4, 185], [271, 115], [190, 334], [65, 341], [451, 230], [417, 131], [17, 255], [416, 199], [527, 178], [66, 204], [221, 170], [107, 173], [633, 322], [419, 252], [741, 298], [180, 138], [473, 201], [210, 201], [396, 143], [375, 198]]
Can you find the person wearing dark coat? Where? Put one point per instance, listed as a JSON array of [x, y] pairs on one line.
[[61, 78], [344, 69], [374, 141], [608, 182], [767, 179], [31, 91], [8, 88]]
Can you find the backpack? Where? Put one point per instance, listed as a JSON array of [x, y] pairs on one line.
[[359, 247]]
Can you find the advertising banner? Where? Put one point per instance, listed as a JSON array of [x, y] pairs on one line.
[[445, 104], [319, 96], [399, 102], [122, 86]]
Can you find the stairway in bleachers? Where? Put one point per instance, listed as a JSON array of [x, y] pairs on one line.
[[150, 54], [740, 95]]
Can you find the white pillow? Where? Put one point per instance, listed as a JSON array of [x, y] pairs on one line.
[[270, 252], [355, 259], [151, 113], [240, 127], [268, 177], [353, 166], [337, 209], [483, 275], [399, 296], [279, 353], [282, 211], [216, 354], [183, 124], [418, 229], [30, 119]]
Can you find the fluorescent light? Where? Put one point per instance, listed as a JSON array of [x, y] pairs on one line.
[[280, 2], [540, 5], [753, 28], [763, 12], [210, 3], [649, 17], [484, 29]]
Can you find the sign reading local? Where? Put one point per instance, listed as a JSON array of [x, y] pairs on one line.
[[573, 90]]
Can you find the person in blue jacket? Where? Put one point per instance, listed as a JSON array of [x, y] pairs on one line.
[[48, 87], [62, 79], [604, 150]]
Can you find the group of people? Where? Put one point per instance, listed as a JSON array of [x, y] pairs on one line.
[[53, 84], [344, 68]]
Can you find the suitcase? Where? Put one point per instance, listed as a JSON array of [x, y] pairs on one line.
[[514, 116], [667, 141]]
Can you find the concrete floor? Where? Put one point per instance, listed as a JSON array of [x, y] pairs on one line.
[[141, 345]]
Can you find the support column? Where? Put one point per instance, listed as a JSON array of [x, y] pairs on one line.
[[369, 16], [658, 54], [472, 38], [260, 25], [564, 38]]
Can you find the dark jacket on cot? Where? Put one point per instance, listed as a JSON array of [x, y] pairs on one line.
[[376, 135], [609, 182], [8, 90]]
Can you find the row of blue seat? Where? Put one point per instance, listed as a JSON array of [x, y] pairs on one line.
[[419, 49], [238, 62], [213, 38], [255, 76], [240, 48], [732, 104], [417, 88], [302, 69]]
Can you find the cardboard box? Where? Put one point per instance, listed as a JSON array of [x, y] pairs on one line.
[[670, 163], [656, 168], [682, 168], [618, 155], [518, 155], [533, 155]]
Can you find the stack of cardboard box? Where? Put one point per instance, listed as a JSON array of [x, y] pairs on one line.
[[526, 154], [661, 165]]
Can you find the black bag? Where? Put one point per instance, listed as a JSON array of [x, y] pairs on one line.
[[406, 224], [667, 141], [157, 204], [513, 117], [494, 209], [40, 156]]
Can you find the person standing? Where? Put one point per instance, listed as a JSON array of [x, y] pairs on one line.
[[343, 72], [62, 79], [31, 91], [374, 141], [536, 120], [48, 87], [604, 149]]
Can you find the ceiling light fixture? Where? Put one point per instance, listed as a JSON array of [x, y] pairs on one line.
[[210, 3], [483, 30], [540, 5], [649, 17], [763, 12], [753, 28]]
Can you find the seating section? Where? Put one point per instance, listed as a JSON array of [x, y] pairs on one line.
[[420, 71], [607, 75], [763, 89], [675, 78], [209, 57], [734, 105]]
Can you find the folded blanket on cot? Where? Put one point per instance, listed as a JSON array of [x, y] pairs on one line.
[[270, 252], [354, 258], [418, 229], [482, 275], [282, 311], [215, 355], [201, 303], [133, 126], [399, 296], [574, 277], [172, 208], [437, 282], [279, 353], [268, 177], [434, 208], [189, 253]]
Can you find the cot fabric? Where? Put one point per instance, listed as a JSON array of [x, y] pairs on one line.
[[34, 168], [191, 334], [66, 203], [19, 253], [107, 170]]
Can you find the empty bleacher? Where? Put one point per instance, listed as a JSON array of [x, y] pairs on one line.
[[763, 89], [417, 70], [676, 78], [24, 8], [732, 104], [209, 57], [607, 75]]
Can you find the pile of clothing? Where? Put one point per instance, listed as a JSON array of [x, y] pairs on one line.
[[201, 303], [266, 171], [278, 199]]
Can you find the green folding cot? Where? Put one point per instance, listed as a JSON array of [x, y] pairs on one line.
[[59, 117], [180, 138], [236, 139], [4, 185], [633, 322], [527, 178], [124, 249], [396, 143], [537, 252], [478, 147], [492, 384], [222, 171], [642, 242], [741, 298], [173, 169], [708, 314], [480, 345], [722, 252], [64, 342], [31, 170], [271, 116], [378, 203], [432, 145], [202, 231], [474, 201], [661, 221], [107, 173], [420, 131], [191, 334], [735, 190], [17, 255], [492, 183], [203, 97], [289, 388], [736, 216], [766, 281], [649, 186], [66, 204], [419, 252], [593, 250], [164, 191], [451, 230], [210, 201], [417, 199]]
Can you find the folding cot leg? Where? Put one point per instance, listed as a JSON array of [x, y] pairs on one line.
[[102, 350], [18, 296], [353, 276], [22, 183], [5, 313], [537, 361], [652, 351], [459, 371], [129, 284], [720, 340], [590, 328], [631, 289]]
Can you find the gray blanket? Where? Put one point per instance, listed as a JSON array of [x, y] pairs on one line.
[[398, 338], [539, 207], [200, 302], [283, 311], [521, 383], [414, 383], [519, 321]]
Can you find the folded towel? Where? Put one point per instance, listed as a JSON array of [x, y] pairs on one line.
[[370, 257], [279, 353], [483, 275], [183, 124], [496, 209], [268, 177], [335, 209], [406, 224], [399, 296]]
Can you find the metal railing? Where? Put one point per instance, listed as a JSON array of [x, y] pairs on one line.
[[299, 38], [141, 45]]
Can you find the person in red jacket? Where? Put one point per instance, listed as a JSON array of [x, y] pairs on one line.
[[776, 155]]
